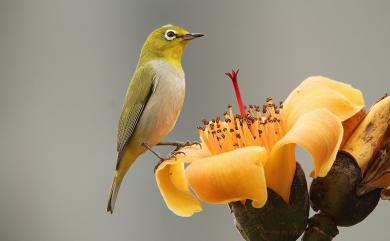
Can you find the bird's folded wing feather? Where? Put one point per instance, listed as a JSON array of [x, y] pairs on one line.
[[141, 88]]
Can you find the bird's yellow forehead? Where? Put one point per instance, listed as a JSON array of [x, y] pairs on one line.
[[179, 30]]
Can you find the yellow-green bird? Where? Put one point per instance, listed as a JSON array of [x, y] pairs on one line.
[[153, 100]]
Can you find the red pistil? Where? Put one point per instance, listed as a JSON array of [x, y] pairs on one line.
[[233, 77]]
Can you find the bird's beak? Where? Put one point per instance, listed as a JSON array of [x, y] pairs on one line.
[[190, 36]]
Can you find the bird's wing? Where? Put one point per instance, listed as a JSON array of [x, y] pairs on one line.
[[142, 86]]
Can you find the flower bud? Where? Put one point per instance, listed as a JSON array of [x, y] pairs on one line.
[[335, 194], [377, 169], [352, 188], [277, 220]]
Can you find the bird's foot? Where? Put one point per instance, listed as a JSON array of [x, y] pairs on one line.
[[179, 144], [171, 155], [152, 151]]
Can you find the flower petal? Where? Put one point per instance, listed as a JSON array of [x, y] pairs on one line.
[[173, 184], [370, 135], [320, 92], [320, 133], [351, 124], [230, 176], [280, 170]]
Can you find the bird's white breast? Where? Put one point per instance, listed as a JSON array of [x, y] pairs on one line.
[[164, 106]]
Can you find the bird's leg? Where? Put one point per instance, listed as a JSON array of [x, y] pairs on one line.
[[144, 144], [162, 159], [179, 144]]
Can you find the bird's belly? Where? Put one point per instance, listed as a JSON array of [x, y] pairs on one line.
[[160, 114]]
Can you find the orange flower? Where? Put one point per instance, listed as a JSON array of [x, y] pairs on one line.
[[244, 154]]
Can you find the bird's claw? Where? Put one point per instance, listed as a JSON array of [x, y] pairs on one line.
[[172, 155], [187, 143], [176, 151]]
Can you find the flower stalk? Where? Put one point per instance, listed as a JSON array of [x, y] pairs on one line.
[[320, 228]]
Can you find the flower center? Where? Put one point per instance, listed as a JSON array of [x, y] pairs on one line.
[[260, 127], [254, 127]]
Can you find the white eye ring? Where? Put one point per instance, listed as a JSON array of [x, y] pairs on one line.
[[170, 34]]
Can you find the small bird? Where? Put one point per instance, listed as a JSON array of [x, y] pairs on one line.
[[153, 100]]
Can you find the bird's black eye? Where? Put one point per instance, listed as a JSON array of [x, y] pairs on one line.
[[170, 34]]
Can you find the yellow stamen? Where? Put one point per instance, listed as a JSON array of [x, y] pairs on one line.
[[263, 128]]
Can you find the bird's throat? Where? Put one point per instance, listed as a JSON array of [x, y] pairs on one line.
[[171, 55]]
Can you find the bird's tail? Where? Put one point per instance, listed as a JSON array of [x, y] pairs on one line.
[[116, 183], [123, 165]]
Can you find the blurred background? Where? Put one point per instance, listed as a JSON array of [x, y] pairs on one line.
[[64, 70]]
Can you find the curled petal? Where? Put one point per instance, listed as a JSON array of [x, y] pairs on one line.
[[320, 133], [351, 124], [173, 184], [319, 92], [280, 170], [369, 137], [230, 176]]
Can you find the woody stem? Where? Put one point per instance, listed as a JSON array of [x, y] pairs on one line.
[[320, 228]]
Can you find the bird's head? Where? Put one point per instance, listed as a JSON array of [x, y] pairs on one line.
[[168, 43]]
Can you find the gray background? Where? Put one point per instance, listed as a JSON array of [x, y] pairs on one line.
[[64, 70]]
